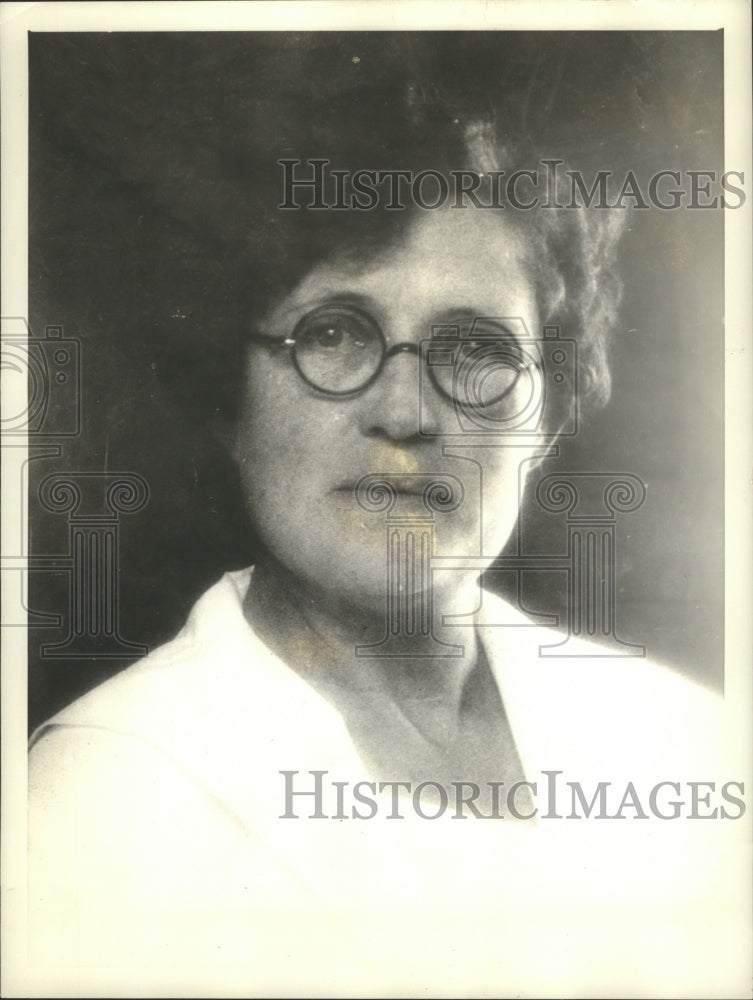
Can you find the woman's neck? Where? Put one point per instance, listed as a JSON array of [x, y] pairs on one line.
[[322, 636]]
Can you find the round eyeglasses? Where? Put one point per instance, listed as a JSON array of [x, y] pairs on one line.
[[340, 350]]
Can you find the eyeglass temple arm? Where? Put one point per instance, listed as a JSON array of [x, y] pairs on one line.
[[266, 338]]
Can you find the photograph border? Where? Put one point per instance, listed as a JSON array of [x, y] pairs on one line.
[[17, 19]]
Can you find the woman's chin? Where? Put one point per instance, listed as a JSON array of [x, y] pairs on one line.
[[365, 580], [359, 562]]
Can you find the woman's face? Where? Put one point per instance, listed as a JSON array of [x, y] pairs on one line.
[[301, 452]]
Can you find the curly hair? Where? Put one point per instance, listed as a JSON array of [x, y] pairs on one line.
[[576, 260]]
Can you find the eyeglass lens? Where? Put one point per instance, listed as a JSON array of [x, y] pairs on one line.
[[338, 350]]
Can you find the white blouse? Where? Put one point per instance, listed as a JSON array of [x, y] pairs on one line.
[[160, 854]]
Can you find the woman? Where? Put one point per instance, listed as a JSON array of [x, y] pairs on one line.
[[170, 807]]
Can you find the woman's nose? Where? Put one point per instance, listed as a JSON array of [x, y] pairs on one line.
[[392, 405]]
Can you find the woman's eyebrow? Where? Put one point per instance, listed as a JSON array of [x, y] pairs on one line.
[[330, 296], [446, 315], [466, 314], [463, 313], [348, 297]]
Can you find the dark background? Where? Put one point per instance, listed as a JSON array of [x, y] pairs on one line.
[[140, 171]]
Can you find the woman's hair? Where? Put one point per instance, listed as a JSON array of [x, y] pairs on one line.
[[575, 255], [365, 101]]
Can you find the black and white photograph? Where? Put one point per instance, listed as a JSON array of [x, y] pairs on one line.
[[376, 446]]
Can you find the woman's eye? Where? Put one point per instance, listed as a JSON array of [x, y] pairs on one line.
[[339, 335], [340, 332], [490, 338], [329, 336]]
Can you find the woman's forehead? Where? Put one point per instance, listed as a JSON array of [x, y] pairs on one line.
[[445, 260]]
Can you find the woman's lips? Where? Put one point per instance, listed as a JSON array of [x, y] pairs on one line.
[[378, 498], [404, 485]]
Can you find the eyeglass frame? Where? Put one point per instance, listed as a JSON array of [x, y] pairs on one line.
[[404, 347]]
